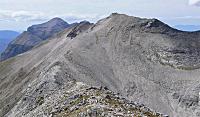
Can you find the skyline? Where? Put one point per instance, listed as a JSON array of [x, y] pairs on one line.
[[24, 13]]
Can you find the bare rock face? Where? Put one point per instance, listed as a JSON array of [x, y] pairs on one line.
[[143, 60], [79, 28]]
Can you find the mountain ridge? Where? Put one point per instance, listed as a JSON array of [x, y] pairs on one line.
[[143, 61]]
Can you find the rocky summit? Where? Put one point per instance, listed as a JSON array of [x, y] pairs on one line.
[[146, 66]]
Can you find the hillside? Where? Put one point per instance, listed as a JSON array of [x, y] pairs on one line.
[[143, 60]]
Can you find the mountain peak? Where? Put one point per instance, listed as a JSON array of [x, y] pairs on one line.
[[33, 36], [124, 15], [45, 30], [140, 24], [57, 20], [51, 23]]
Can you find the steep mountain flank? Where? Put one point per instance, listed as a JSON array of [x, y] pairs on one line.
[[33, 36], [143, 60]]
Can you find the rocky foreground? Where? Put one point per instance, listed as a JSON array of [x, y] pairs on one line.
[[76, 99]]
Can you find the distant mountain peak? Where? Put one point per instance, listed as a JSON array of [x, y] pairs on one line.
[[33, 36], [46, 29], [53, 22], [85, 21], [57, 20]]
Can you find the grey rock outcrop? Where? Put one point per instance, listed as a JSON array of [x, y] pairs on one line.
[[143, 60]]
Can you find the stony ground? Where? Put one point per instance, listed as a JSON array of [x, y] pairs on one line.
[[76, 99]]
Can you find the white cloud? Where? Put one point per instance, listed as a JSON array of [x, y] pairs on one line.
[[6, 15], [76, 17], [184, 17], [30, 16], [194, 2]]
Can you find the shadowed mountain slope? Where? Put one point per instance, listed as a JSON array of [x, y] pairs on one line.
[[33, 36], [144, 60]]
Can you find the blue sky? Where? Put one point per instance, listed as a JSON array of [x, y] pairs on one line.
[[19, 14]]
